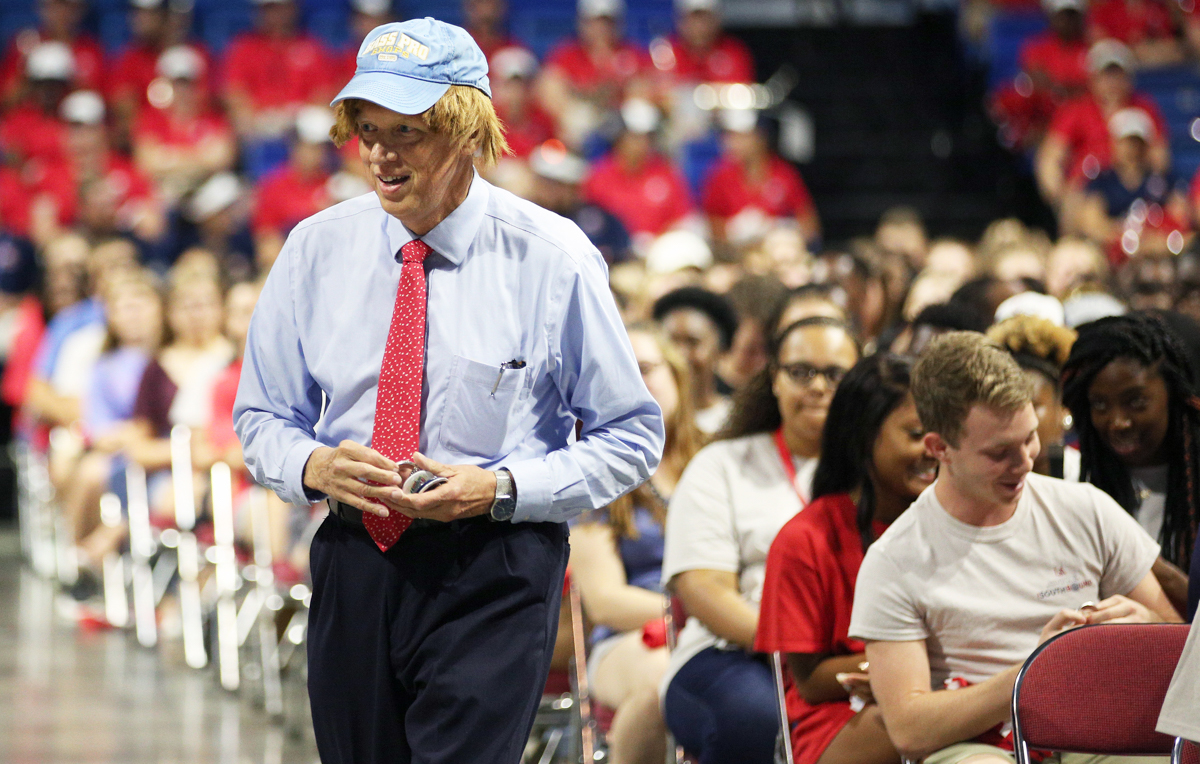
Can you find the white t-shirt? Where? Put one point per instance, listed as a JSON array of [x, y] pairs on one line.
[[713, 418], [1181, 707], [730, 503], [980, 597], [1151, 485]]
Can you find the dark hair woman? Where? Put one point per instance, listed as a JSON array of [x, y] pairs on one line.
[[731, 501], [873, 464], [1132, 393]]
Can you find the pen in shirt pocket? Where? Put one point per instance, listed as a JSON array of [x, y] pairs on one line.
[[513, 364]]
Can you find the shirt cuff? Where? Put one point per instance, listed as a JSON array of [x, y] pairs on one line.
[[531, 478], [293, 474]]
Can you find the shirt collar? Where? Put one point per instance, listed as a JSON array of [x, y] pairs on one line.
[[452, 237]]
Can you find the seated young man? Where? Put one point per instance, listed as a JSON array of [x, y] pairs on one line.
[[990, 561]]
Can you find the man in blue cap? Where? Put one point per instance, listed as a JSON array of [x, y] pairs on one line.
[[438, 329]]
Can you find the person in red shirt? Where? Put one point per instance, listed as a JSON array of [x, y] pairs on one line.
[[585, 77], [873, 464], [180, 139], [31, 132], [274, 70], [700, 51], [1078, 146], [527, 126], [298, 189], [751, 187], [1053, 70], [636, 183], [113, 196], [59, 22], [1146, 26]]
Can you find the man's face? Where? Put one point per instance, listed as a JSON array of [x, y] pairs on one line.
[[700, 29], [1112, 85], [995, 453], [697, 338], [413, 168]]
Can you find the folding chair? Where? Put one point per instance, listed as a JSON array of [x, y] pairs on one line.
[[1185, 752], [227, 580], [783, 743], [1098, 690], [190, 608], [141, 553]]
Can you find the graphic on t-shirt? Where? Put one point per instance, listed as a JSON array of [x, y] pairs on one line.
[[1065, 582]]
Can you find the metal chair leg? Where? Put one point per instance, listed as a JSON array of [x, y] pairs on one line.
[[226, 576], [268, 636], [116, 600], [189, 557], [142, 548]]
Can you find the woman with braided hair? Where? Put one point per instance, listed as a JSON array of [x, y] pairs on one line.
[[1132, 393]]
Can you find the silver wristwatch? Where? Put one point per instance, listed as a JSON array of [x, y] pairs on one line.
[[505, 504]]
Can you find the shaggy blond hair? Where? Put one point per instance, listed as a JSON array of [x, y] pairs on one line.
[[463, 112], [959, 370]]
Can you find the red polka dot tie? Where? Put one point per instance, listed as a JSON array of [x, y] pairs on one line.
[[397, 430]]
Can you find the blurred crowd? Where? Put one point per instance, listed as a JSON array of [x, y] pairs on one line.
[[145, 194]]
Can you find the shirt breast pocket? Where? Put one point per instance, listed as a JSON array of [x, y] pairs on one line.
[[480, 409]]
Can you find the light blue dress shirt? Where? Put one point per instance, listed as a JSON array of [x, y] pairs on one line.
[[509, 281]]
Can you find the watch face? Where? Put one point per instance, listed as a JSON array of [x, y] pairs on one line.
[[503, 510]]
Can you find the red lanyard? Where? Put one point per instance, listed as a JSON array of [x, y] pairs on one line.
[[789, 465]]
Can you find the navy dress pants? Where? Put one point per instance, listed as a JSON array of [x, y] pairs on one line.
[[721, 707], [436, 651]]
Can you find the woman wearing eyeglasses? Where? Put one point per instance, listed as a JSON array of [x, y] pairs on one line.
[[731, 501]]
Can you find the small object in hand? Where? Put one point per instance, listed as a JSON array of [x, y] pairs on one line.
[[422, 480], [654, 633], [1089, 605], [863, 667]]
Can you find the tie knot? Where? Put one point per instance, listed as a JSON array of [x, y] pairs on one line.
[[415, 251]]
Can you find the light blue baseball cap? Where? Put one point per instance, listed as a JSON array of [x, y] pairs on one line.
[[407, 66]]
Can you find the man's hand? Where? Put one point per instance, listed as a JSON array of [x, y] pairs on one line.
[[342, 473], [467, 492], [1120, 609], [1063, 620]]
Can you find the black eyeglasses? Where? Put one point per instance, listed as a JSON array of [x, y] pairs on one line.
[[805, 373]]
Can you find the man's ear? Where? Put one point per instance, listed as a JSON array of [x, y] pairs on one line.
[[470, 146], [936, 445]]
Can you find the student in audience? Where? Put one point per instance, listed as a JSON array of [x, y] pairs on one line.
[[988, 562], [701, 326], [805, 302], [181, 140], [1130, 208], [1146, 26], [134, 67], [59, 21], [751, 187], [700, 51], [487, 22], [873, 465], [733, 498], [273, 70], [1078, 144], [637, 183], [753, 299], [177, 386], [1131, 389], [616, 560], [588, 76], [31, 134], [527, 125], [299, 188], [1040, 347], [134, 330], [558, 175]]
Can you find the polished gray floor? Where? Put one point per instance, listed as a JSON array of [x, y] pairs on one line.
[[77, 696]]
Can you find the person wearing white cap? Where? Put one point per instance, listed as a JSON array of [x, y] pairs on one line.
[[1131, 208], [58, 21], [592, 73], [1078, 145], [365, 15], [752, 180], [32, 131], [512, 71], [273, 70], [637, 183], [181, 140], [700, 51], [558, 175], [296, 190], [133, 68], [445, 364]]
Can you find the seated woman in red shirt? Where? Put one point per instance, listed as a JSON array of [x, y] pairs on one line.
[[872, 465]]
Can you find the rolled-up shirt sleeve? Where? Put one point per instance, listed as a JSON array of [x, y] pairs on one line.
[[278, 401], [622, 435]]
